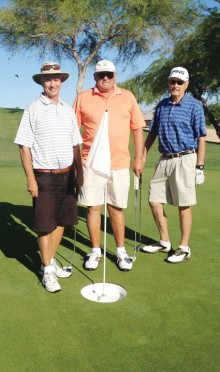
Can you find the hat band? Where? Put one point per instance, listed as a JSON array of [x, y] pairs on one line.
[[50, 67]]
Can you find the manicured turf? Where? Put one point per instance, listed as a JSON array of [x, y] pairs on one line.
[[169, 320]]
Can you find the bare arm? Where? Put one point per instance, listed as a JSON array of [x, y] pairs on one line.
[[148, 143], [26, 160], [138, 137], [201, 151], [78, 165]]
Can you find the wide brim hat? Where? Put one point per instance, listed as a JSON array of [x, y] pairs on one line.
[[50, 68]]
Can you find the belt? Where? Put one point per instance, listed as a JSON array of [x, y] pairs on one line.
[[55, 171], [179, 154]]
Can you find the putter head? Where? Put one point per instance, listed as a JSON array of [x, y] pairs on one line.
[[138, 248], [131, 258], [68, 268]]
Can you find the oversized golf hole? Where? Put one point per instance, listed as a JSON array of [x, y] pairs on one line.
[[104, 292]]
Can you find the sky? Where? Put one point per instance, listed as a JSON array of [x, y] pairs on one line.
[[18, 89]]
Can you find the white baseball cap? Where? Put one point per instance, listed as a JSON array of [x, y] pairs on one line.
[[105, 65], [180, 73]]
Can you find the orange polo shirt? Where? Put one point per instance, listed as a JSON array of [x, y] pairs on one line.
[[124, 116]]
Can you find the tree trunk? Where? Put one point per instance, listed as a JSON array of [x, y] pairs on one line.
[[214, 121]]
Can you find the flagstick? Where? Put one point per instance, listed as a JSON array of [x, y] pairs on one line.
[[105, 229]]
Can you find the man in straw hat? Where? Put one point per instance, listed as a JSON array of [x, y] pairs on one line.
[[179, 123], [108, 115], [49, 143]]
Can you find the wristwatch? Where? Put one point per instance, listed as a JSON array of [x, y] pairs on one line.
[[201, 167]]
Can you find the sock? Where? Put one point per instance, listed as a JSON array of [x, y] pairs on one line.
[[121, 250], [97, 250], [48, 269], [184, 248], [52, 261], [165, 244]]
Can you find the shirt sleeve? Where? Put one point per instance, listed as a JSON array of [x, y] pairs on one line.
[[25, 135], [199, 125], [76, 108], [77, 139], [137, 119]]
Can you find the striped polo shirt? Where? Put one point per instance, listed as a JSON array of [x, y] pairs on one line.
[[178, 126], [50, 131]]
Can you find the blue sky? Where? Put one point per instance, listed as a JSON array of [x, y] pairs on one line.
[[20, 91]]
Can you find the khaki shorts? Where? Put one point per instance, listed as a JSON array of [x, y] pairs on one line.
[[117, 187], [174, 181]]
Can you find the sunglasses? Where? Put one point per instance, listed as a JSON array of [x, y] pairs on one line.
[[50, 67], [178, 82], [108, 74]]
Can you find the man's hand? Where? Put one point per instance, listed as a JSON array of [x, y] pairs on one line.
[[32, 187], [200, 178]]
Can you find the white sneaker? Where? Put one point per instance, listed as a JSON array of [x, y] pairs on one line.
[[49, 280], [154, 248], [58, 271], [179, 256], [92, 261], [124, 262]]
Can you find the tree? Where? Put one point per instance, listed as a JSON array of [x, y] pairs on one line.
[[199, 52], [82, 30]]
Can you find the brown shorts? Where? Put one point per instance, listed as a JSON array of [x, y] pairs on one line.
[[56, 202]]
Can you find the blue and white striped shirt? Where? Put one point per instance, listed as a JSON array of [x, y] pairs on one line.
[[50, 131], [178, 126]]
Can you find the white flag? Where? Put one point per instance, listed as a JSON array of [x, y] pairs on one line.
[[99, 154]]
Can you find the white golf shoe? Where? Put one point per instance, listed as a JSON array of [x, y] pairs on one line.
[[179, 256], [58, 271], [93, 260], [124, 262], [49, 281], [154, 248]]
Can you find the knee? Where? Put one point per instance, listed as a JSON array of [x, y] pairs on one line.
[[154, 205]]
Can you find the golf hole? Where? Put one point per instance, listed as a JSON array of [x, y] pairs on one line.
[[104, 292]]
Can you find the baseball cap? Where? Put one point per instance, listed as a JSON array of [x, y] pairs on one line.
[[105, 65], [180, 73]]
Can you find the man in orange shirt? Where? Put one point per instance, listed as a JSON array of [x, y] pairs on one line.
[[124, 116]]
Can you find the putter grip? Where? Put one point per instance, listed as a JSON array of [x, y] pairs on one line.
[[136, 182]]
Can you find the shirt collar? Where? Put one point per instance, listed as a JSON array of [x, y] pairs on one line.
[[47, 101], [181, 102], [116, 90]]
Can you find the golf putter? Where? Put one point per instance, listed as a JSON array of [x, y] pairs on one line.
[[69, 268], [137, 187], [139, 217]]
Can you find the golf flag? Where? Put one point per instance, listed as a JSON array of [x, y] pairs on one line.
[[99, 154]]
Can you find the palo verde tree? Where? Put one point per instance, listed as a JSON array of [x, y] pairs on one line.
[[199, 52], [82, 30]]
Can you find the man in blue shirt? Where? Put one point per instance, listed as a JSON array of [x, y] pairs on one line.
[[179, 124]]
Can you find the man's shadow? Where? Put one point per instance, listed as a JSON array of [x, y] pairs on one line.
[[17, 240], [16, 237]]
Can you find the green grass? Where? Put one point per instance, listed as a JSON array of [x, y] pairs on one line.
[[169, 320]]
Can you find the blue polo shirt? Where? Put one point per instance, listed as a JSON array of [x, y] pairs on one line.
[[178, 126]]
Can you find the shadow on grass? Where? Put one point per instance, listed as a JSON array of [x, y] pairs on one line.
[[18, 241]]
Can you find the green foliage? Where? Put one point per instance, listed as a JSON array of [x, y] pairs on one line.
[[215, 109], [83, 30], [198, 51]]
